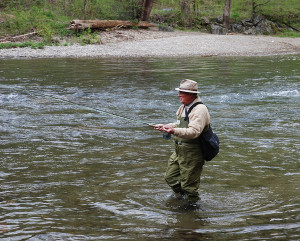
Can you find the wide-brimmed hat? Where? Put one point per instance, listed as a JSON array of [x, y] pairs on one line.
[[189, 86]]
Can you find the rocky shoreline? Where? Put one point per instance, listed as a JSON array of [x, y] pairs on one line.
[[153, 43]]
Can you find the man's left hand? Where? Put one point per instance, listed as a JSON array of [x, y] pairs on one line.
[[164, 128]]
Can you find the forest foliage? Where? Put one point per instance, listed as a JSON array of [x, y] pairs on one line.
[[51, 17]]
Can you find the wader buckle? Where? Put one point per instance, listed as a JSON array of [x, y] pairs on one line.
[[178, 142]]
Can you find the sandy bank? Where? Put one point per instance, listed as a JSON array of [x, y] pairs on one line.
[[150, 43]]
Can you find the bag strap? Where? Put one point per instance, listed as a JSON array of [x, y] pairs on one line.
[[186, 118]]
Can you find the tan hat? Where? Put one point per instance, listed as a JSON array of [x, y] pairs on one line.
[[189, 86]]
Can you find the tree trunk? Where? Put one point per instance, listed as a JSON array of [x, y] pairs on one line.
[[226, 14], [103, 24], [185, 12], [146, 9], [195, 8], [64, 6], [85, 8], [253, 10]]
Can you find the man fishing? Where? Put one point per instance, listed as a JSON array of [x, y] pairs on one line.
[[186, 163]]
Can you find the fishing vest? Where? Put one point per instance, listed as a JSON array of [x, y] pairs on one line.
[[183, 122], [208, 141]]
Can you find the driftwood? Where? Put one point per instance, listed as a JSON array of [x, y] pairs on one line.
[[18, 38], [104, 24]]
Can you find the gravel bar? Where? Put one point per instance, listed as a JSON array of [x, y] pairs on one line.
[[150, 43]]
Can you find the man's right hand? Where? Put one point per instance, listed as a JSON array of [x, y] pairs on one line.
[[159, 127], [164, 128]]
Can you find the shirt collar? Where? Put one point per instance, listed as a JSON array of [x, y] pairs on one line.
[[189, 105]]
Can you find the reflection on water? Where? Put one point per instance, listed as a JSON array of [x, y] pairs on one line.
[[70, 173]]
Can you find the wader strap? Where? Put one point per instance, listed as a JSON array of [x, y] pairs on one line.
[[186, 118]]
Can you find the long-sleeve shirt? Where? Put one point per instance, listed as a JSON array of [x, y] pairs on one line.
[[199, 118]]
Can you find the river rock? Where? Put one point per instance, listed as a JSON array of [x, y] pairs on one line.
[[251, 31], [237, 28], [267, 27], [259, 25], [166, 28], [257, 20], [205, 21], [217, 29], [247, 23]]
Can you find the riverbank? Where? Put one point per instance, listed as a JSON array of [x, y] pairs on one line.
[[153, 43]]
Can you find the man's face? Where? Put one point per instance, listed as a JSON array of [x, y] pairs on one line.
[[186, 98]]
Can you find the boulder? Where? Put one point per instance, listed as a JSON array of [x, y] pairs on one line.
[[250, 31], [205, 20], [166, 28], [247, 23], [218, 20], [257, 20], [259, 25], [267, 27], [217, 29], [237, 28]]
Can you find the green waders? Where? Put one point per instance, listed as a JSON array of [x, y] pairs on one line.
[[185, 166]]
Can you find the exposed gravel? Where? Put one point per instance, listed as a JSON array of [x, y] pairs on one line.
[[153, 43]]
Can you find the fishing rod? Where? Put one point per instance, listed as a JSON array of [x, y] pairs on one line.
[[81, 106]]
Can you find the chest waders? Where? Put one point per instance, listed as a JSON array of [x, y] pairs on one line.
[[185, 166]]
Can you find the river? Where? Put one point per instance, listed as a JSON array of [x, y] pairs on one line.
[[69, 173]]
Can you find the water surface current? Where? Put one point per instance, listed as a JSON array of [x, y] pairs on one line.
[[68, 173]]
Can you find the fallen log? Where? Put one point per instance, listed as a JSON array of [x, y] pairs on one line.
[[104, 24], [18, 38]]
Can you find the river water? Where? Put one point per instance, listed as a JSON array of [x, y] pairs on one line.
[[68, 173]]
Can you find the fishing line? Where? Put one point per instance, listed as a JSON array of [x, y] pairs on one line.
[[81, 106]]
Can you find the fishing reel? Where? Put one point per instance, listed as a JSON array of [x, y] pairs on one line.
[[167, 136]]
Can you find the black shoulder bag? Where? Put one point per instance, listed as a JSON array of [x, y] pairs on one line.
[[209, 141]]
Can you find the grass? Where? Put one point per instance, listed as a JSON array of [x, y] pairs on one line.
[[43, 21], [33, 45], [289, 34], [50, 21]]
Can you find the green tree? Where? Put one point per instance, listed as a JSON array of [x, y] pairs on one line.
[[146, 6], [255, 5]]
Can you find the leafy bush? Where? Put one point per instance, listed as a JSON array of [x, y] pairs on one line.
[[168, 16], [88, 37]]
